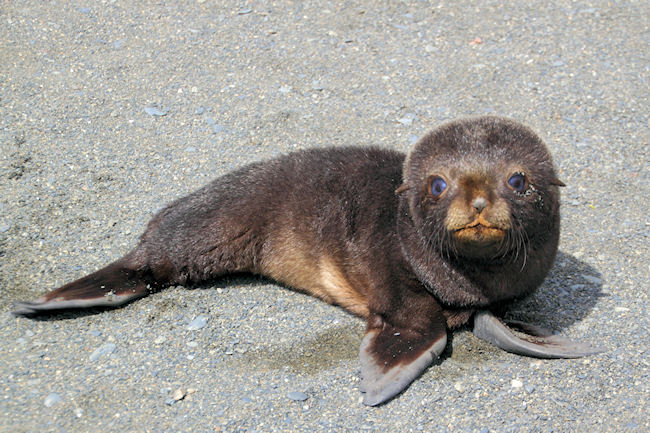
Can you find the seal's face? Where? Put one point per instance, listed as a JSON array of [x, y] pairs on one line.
[[477, 216], [477, 201], [482, 190]]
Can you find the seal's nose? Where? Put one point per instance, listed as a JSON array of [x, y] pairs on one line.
[[479, 203]]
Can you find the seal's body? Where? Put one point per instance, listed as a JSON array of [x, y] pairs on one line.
[[416, 244], [322, 221]]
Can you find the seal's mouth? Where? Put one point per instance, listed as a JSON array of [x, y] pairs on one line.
[[479, 233]]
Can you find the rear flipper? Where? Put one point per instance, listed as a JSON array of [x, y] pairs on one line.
[[114, 285], [530, 340], [392, 357]]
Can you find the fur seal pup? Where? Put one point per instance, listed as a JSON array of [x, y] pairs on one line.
[[417, 245]]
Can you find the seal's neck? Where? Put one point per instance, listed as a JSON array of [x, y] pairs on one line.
[[459, 282]]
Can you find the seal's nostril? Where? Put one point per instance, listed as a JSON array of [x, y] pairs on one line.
[[479, 203]]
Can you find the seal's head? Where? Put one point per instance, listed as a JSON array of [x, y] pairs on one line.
[[482, 188]]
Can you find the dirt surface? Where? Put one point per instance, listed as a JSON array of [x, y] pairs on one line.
[[109, 110]]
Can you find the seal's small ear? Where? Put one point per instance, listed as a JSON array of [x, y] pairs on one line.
[[557, 182], [403, 187]]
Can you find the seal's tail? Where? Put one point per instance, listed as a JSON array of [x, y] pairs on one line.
[[114, 285]]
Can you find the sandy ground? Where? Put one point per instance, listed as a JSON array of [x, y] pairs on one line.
[[109, 110]]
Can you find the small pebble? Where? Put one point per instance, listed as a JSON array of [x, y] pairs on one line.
[[516, 383], [199, 111], [159, 340], [458, 386], [106, 349], [197, 323], [95, 333], [4, 228], [407, 119], [52, 399], [154, 111], [529, 388], [297, 396], [592, 279], [179, 394]]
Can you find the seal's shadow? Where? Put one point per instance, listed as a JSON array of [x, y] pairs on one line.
[[567, 296]]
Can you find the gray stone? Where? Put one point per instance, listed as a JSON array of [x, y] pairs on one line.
[[198, 323], [155, 111], [52, 399], [102, 351], [297, 396]]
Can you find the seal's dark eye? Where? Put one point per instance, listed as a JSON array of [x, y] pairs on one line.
[[518, 182], [438, 186]]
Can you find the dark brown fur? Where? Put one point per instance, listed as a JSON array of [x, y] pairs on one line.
[[360, 228]]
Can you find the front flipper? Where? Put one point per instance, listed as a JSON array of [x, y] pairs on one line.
[[530, 340], [393, 357]]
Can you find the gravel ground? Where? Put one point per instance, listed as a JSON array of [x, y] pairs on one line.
[[110, 110]]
